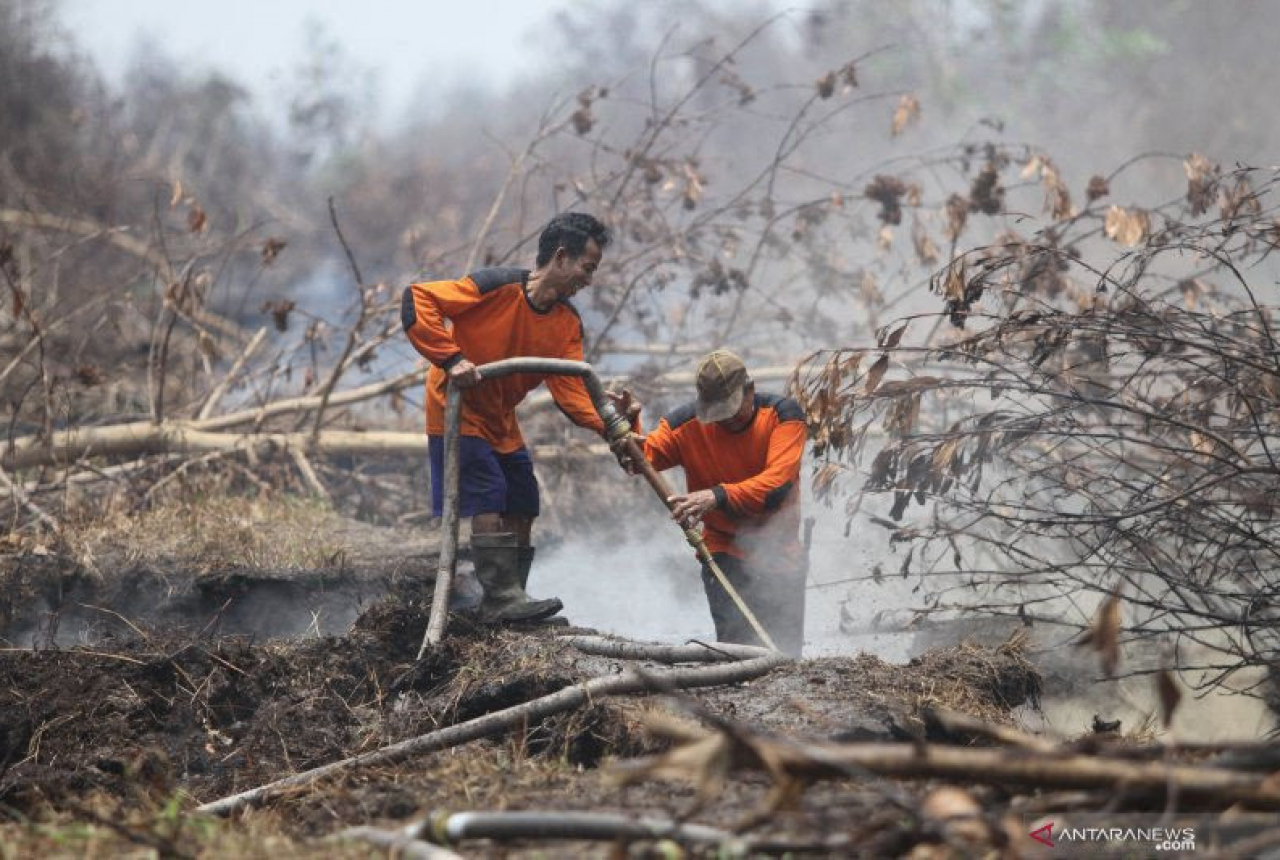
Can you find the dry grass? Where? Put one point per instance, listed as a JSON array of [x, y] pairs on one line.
[[212, 530]]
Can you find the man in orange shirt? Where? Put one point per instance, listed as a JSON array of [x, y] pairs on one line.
[[497, 314], [741, 454]]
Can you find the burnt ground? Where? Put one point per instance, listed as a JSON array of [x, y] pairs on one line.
[[167, 703]]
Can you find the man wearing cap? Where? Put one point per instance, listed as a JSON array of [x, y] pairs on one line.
[[741, 454], [494, 314]]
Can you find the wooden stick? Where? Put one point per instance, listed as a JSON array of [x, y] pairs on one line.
[[568, 698], [221, 388]]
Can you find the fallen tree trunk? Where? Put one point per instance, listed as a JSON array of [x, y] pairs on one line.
[[141, 439]]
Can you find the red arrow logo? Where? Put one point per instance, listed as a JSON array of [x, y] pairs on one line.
[[1044, 835]]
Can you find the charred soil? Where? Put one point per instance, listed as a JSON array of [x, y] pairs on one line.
[[145, 715]]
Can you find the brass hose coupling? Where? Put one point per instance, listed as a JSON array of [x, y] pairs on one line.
[[616, 426]]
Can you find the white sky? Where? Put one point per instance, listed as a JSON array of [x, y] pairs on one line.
[[414, 48]]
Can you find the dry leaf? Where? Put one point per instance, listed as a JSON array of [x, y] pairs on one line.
[[825, 477], [893, 339], [849, 75], [908, 111], [1129, 227], [868, 290], [692, 187], [176, 197], [826, 85], [1170, 696], [953, 284], [957, 213], [1103, 634], [197, 221], [884, 240], [945, 454], [1202, 180], [876, 373], [279, 312], [271, 249], [887, 191], [896, 387], [1098, 188], [926, 251], [208, 348], [986, 194]]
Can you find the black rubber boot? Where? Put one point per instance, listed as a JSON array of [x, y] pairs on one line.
[[525, 556], [497, 560]]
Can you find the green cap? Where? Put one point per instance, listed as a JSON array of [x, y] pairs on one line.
[[721, 379]]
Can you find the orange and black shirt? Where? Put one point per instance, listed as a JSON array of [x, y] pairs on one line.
[[754, 473], [486, 317]]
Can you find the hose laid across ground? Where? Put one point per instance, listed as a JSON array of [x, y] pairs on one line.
[[450, 828], [744, 662]]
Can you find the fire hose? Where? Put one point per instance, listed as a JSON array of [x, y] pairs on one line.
[[617, 431]]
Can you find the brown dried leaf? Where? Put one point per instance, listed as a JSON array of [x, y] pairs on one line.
[[826, 85], [89, 375], [895, 387], [908, 111], [887, 191], [271, 249], [926, 251], [1202, 180], [868, 290], [945, 453], [692, 187], [197, 221], [1271, 385], [207, 346], [1239, 199], [957, 213], [986, 194], [1098, 188], [953, 284], [1129, 227], [1170, 696], [825, 477], [1103, 634], [1057, 199], [876, 373], [849, 75], [279, 311], [884, 239], [176, 197], [891, 340], [1192, 289]]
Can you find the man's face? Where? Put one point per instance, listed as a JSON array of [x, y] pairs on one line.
[[746, 411], [575, 273]]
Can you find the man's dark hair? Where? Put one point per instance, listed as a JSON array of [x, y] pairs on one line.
[[571, 231]]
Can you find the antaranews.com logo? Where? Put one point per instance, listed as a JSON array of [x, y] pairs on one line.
[[1100, 839]]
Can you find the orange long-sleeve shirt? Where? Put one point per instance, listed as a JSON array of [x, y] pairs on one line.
[[491, 319], [754, 473]]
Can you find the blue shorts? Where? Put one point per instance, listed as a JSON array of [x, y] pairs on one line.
[[488, 482]]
